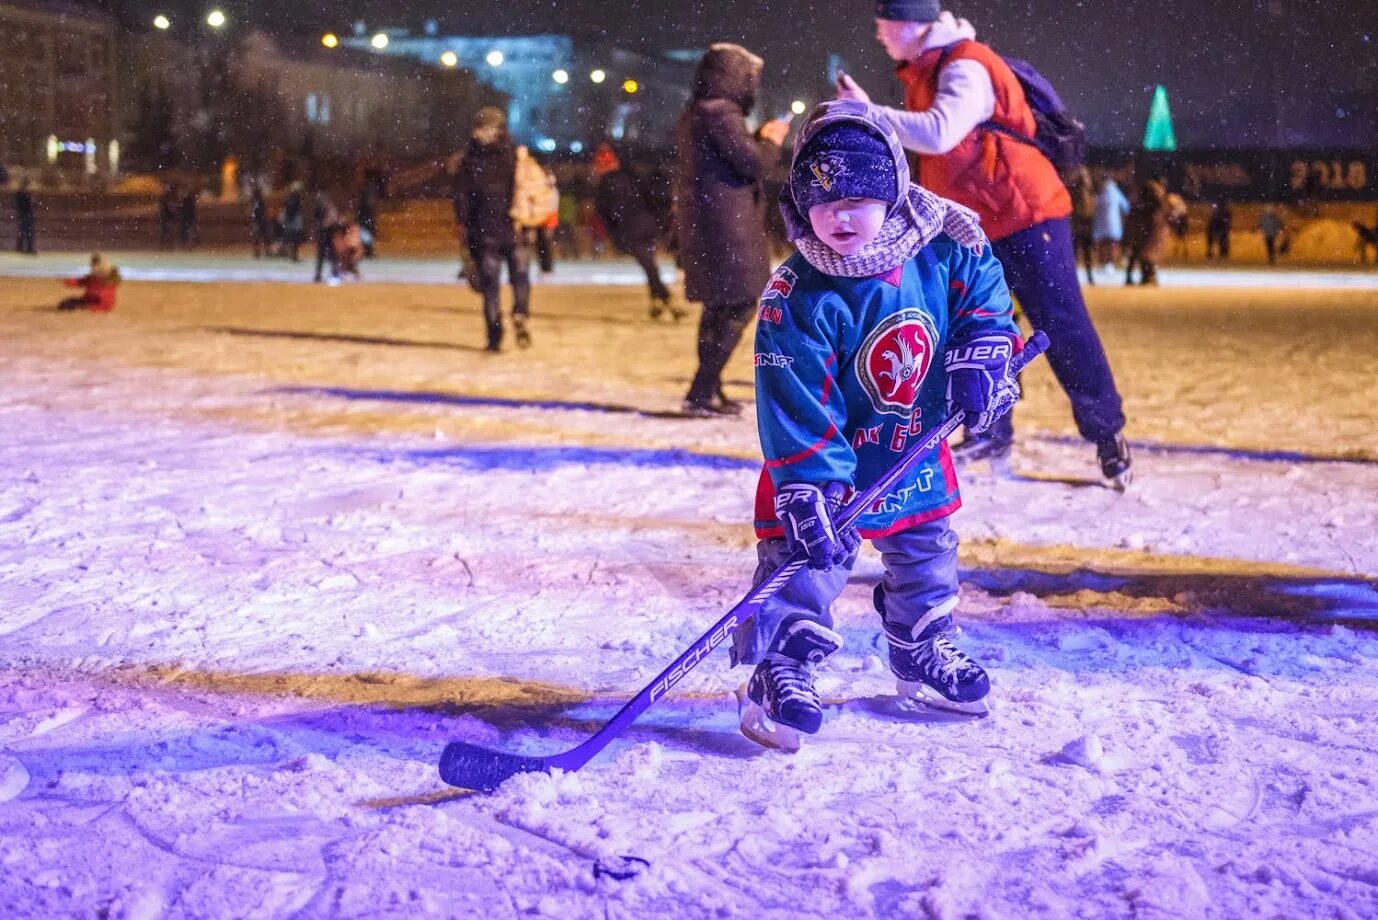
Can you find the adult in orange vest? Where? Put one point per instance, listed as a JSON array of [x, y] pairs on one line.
[[962, 104]]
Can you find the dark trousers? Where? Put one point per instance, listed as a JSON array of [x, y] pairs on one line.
[[1271, 244], [488, 260], [1041, 268], [1218, 242], [545, 249], [325, 253], [720, 329], [1148, 271], [27, 240], [645, 256]]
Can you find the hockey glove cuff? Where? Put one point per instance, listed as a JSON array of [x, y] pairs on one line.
[[808, 512], [978, 378]]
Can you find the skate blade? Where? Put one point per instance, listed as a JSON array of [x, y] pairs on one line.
[[1122, 482], [756, 725], [922, 693]]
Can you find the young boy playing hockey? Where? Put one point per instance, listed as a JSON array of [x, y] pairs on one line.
[[892, 312]]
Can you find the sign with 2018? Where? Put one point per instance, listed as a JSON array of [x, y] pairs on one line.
[[1259, 175]]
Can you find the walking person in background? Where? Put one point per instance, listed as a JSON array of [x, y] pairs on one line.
[[327, 226], [1178, 224], [26, 220], [294, 221], [1147, 232], [1083, 192], [965, 109], [1218, 230], [531, 206], [169, 205], [191, 224], [1107, 230], [366, 215], [631, 223], [260, 229], [1271, 226], [720, 212], [484, 189]]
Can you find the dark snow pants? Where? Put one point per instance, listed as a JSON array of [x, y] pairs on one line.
[[1041, 269], [720, 329], [645, 256], [488, 260]]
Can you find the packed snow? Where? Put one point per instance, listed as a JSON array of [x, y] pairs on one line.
[[265, 548]]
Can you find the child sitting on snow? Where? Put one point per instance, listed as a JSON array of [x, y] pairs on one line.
[[99, 284], [893, 312]]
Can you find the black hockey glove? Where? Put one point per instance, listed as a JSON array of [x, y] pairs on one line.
[[807, 511], [978, 378]]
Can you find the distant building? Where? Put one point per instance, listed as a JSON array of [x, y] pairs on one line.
[[254, 96], [57, 89], [564, 94]]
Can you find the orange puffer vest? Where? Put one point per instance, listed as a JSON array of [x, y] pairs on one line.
[[1010, 184]]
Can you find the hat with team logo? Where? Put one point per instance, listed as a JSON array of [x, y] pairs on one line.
[[843, 160]]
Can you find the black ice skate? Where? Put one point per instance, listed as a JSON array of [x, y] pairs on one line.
[[929, 668], [1116, 464], [779, 701]]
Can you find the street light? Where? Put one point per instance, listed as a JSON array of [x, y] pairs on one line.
[[630, 87], [330, 40], [162, 23], [798, 107], [598, 76], [449, 59], [560, 76], [216, 19], [379, 41], [494, 58]]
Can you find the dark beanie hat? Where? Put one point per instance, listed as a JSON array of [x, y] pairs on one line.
[[844, 160], [909, 10]]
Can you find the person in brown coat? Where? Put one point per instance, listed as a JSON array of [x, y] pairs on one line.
[[720, 212]]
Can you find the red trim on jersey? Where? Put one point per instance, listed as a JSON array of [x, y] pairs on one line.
[[817, 446]]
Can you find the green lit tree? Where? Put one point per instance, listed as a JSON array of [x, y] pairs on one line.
[[1159, 136]]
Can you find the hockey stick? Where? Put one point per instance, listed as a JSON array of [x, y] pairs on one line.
[[472, 767]]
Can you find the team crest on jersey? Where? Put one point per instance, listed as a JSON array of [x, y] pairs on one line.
[[781, 284], [894, 360], [827, 168]]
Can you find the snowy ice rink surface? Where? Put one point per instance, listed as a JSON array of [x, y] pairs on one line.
[[265, 548]]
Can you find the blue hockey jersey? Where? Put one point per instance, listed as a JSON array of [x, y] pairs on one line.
[[849, 372]]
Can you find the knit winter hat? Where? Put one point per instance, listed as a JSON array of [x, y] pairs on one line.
[[843, 161], [909, 10]]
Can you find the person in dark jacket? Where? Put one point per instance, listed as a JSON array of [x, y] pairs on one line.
[[483, 206], [26, 240], [1146, 233], [294, 221], [327, 226], [168, 206], [1218, 230], [260, 231], [720, 211], [366, 215], [631, 223], [191, 223]]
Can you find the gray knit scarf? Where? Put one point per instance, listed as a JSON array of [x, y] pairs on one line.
[[904, 233]]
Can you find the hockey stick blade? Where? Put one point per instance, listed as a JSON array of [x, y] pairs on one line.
[[472, 767]]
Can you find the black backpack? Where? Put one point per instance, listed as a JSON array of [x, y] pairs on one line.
[[1059, 136]]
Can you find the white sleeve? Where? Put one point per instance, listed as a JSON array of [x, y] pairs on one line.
[[966, 98]]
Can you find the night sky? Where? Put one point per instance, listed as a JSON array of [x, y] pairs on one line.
[[1239, 72]]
